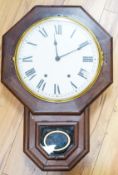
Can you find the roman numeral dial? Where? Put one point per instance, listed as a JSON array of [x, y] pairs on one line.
[[57, 59], [58, 29], [27, 59], [56, 89], [83, 73], [41, 85], [87, 59], [31, 73], [43, 32]]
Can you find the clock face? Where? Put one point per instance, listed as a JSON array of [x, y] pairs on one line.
[[58, 59]]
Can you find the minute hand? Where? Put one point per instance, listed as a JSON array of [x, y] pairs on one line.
[[68, 53], [80, 47]]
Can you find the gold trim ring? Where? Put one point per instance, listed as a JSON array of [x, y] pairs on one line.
[[100, 52]]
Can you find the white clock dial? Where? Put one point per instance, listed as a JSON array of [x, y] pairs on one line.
[[58, 59]]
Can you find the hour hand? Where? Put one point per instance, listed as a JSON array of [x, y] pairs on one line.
[[55, 44]]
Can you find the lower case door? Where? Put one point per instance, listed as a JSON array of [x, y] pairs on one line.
[[56, 142]]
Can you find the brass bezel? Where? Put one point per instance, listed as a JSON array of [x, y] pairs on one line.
[[75, 96]]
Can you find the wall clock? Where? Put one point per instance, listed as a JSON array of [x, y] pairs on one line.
[[56, 61]]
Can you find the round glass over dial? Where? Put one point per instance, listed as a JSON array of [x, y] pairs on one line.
[[58, 59]]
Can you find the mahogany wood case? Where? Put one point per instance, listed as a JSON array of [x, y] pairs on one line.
[[38, 112], [9, 77]]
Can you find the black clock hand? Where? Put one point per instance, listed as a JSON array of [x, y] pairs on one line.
[[79, 48], [55, 44], [67, 53]]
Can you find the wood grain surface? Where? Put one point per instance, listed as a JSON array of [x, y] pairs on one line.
[[103, 156]]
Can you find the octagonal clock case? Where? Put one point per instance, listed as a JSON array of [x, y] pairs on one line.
[[56, 61]]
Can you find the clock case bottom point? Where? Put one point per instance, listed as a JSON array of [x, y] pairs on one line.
[[56, 130]]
